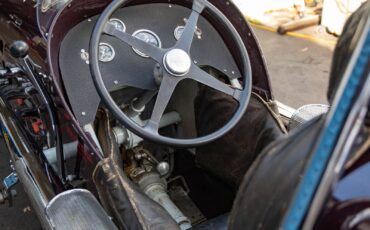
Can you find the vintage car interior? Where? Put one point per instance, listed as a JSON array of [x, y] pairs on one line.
[[178, 124], [151, 106]]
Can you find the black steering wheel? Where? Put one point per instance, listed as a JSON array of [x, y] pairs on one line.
[[177, 65]]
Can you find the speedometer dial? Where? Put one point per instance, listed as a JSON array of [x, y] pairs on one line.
[[118, 24], [106, 52], [148, 37], [178, 32]]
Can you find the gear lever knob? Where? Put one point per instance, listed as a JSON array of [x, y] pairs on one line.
[[19, 49]]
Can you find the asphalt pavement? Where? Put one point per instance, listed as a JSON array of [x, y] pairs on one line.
[[299, 71], [299, 68]]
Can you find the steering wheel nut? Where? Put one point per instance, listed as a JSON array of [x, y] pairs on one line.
[[177, 62]]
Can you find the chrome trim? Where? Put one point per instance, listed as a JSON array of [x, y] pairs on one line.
[[149, 32], [119, 21], [87, 211], [176, 31], [359, 217], [285, 110], [28, 169], [177, 62], [109, 59], [34, 192]]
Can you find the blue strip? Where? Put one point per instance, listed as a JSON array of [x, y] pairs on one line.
[[319, 161]]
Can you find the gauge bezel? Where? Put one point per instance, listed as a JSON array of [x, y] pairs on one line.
[[119, 21], [176, 31], [149, 32], [113, 52]]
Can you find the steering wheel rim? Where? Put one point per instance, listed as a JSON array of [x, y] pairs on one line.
[[172, 74]]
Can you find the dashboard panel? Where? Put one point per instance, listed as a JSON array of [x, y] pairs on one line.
[[160, 24]]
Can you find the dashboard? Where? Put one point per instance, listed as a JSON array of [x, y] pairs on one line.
[[158, 24]]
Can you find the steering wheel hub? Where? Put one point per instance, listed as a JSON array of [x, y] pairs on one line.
[[177, 62]]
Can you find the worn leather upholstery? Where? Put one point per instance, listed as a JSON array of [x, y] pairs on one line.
[[269, 185], [131, 208], [230, 156], [280, 158], [124, 201]]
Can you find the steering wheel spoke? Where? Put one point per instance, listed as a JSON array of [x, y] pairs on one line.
[[187, 36], [150, 50], [165, 92], [203, 77]]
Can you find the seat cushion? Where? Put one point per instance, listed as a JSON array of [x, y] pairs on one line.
[[230, 156]]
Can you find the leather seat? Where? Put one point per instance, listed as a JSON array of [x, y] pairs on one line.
[[278, 160], [229, 157]]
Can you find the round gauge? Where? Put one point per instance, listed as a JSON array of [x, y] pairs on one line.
[[106, 52], [148, 37], [178, 32], [118, 24], [180, 29]]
